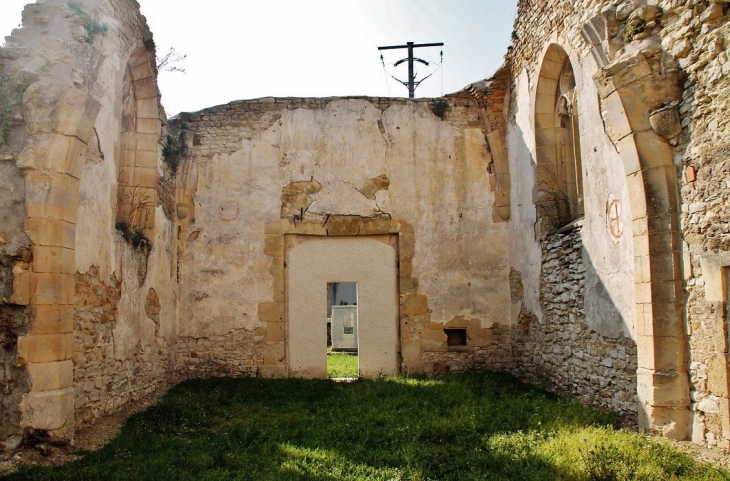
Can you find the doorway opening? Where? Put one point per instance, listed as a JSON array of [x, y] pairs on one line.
[[342, 323]]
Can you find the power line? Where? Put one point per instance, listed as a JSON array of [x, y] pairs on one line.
[[411, 84]]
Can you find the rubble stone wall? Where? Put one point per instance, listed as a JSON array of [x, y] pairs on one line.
[[560, 350]]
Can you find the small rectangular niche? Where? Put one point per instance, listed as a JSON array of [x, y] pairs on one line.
[[455, 336]]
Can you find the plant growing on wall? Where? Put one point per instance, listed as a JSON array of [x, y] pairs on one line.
[[439, 108], [134, 207], [92, 25], [172, 151], [631, 29]]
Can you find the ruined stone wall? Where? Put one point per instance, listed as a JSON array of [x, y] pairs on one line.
[[691, 36], [87, 341], [560, 350], [339, 167], [699, 35]]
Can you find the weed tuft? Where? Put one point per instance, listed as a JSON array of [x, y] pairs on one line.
[[92, 25], [439, 108]]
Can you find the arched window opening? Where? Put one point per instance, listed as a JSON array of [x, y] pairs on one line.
[[559, 166]]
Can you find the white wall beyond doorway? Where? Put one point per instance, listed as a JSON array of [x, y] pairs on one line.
[[315, 261]]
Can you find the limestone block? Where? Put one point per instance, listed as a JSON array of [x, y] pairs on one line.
[[53, 319], [142, 70], [275, 331], [670, 422], [279, 292], [53, 288], [53, 259], [145, 88], [51, 195], [51, 232], [147, 142], [659, 318], [614, 115], [668, 389], [274, 245], [406, 244], [340, 198], [480, 338], [414, 305], [310, 228], [56, 152], [399, 224], [38, 348], [146, 159], [49, 376], [343, 225], [147, 109], [376, 225], [22, 284], [271, 311], [274, 353], [129, 144], [77, 113], [666, 122], [659, 353], [144, 177], [280, 226], [410, 350], [717, 375], [149, 126], [139, 57], [405, 265], [713, 272], [50, 410]]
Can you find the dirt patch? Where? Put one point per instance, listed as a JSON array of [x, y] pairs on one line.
[[87, 439], [715, 456]]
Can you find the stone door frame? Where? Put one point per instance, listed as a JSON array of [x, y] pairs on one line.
[[273, 314]]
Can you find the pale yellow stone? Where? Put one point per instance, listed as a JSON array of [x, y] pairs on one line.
[[48, 376]]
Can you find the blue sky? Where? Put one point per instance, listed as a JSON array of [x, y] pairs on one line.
[[241, 49]]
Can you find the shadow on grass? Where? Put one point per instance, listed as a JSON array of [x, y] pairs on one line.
[[473, 426]]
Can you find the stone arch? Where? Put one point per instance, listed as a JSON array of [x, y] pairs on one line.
[[559, 166], [52, 160], [140, 134], [630, 90]]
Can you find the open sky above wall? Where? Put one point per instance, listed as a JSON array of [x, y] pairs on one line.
[[317, 48]]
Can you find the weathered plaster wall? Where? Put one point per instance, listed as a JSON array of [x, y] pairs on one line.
[[307, 160]]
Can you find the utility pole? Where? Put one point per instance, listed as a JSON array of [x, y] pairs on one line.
[[411, 84]]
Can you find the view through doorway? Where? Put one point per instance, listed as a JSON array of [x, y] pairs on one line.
[[342, 324]]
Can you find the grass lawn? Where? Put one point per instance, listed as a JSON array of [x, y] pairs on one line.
[[462, 427], [342, 365]]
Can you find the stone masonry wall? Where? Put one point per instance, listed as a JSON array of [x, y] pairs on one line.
[[695, 33], [103, 383], [239, 353], [560, 350]]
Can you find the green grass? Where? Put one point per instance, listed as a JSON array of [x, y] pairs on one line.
[[342, 365], [465, 427]]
